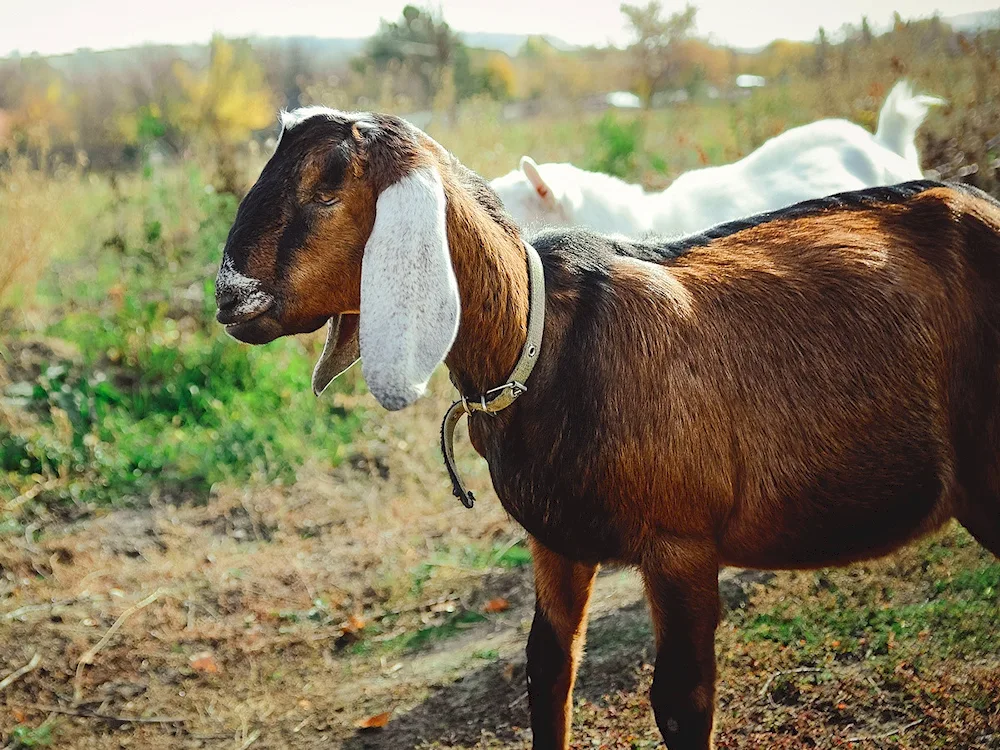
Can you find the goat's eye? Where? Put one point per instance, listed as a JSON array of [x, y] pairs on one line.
[[326, 200]]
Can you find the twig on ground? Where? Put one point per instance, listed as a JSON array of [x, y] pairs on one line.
[[897, 730], [16, 613], [505, 549], [19, 673], [518, 700], [106, 717], [875, 685], [88, 657], [254, 736], [253, 519], [782, 673], [31, 494]]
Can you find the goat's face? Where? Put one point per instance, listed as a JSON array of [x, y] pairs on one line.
[[293, 257], [346, 225]]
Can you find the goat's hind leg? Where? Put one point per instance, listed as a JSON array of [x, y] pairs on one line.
[[562, 595], [980, 513], [979, 509], [682, 586]]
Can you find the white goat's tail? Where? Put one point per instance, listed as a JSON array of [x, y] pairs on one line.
[[902, 115]]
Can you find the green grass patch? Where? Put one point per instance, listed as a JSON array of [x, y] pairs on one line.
[[471, 557], [24, 736], [425, 637], [145, 392], [959, 620]]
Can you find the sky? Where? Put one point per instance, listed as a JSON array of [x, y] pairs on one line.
[[56, 26]]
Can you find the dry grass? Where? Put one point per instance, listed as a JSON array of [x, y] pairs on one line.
[[40, 216]]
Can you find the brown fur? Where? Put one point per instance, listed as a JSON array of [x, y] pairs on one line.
[[555, 644], [803, 389]]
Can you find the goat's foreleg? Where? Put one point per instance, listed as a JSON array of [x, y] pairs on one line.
[[562, 593], [682, 586]]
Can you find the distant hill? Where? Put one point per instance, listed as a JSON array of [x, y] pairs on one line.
[[987, 19], [320, 51], [509, 43]]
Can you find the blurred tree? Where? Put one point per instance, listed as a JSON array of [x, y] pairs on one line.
[[866, 31], [228, 100], [656, 47], [41, 112], [499, 78], [822, 52], [224, 103], [781, 59], [421, 42], [296, 71]]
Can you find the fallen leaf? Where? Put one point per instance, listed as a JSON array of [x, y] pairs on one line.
[[508, 672], [204, 662], [18, 715], [496, 605], [354, 624], [374, 722]]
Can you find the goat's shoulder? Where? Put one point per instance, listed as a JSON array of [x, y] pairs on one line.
[[580, 251]]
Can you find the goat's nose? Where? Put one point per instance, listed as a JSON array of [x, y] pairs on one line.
[[225, 298]]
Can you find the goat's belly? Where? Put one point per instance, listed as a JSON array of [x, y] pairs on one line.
[[816, 530], [576, 531], [581, 528]]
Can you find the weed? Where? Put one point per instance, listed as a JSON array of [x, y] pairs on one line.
[[153, 397], [23, 736], [616, 145]]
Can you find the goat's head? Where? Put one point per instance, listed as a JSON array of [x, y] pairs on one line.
[[534, 199], [346, 226]]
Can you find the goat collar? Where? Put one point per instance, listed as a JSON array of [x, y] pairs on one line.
[[502, 396]]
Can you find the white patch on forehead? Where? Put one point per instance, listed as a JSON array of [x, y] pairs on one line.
[[298, 116]]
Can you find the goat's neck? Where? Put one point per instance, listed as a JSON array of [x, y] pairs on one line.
[[492, 274]]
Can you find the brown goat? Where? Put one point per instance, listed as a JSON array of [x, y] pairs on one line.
[[806, 388]]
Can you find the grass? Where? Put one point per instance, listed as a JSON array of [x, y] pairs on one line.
[[142, 394], [23, 736]]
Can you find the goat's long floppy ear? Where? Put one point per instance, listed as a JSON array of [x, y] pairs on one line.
[[409, 296], [530, 170]]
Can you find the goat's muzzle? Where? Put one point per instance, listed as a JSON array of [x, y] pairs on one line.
[[244, 307]]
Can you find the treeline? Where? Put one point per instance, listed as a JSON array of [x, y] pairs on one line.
[[108, 109]]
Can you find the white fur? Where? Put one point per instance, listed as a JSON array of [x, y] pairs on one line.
[[250, 298], [410, 306], [296, 117], [901, 116], [811, 161]]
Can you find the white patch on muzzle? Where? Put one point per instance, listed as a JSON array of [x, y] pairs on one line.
[[250, 299]]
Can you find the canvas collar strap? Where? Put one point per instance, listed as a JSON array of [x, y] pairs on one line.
[[502, 396]]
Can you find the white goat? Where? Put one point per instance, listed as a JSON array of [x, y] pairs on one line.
[[811, 161]]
